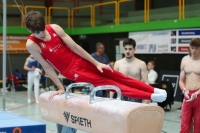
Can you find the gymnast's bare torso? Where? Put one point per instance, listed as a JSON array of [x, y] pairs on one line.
[[191, 68], [134, 68]]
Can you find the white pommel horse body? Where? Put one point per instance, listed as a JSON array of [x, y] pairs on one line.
[[101, 115]]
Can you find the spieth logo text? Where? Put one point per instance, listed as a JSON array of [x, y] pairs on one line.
[[77, 120]]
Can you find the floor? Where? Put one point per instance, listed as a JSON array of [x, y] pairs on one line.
[[16, 102]]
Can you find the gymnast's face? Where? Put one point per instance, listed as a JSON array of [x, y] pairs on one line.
[[101, 49], [40, 35], [150, 66], [129, 51], [195, 51]]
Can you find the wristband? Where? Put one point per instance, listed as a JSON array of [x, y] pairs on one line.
[[183, 90]]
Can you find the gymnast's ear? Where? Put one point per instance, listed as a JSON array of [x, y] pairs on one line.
[[134, 49]]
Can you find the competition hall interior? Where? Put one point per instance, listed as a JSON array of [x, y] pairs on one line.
[[153, 43]]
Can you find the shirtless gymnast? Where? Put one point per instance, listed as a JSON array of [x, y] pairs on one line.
[[190, 85], [131, 66]]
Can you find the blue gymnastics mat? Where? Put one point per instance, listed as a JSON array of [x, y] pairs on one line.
[[10, 123]]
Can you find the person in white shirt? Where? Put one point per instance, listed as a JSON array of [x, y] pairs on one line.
[[152, 74]]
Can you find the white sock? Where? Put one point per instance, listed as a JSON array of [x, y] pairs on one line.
[[158, 97], [159, 91]]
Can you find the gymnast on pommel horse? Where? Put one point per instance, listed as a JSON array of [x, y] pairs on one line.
[[54, 49]]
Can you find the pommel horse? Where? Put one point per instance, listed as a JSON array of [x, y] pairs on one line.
[[100, 115]]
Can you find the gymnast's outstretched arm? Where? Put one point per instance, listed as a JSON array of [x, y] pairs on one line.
[[77, 49], [35, 51]]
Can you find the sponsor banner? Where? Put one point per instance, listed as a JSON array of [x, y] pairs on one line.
[[183, 49], [147, 42], [141, 48], [173, 49], [184, 40], [164, 41], [141, 39], [152, 48], [162, 48], [189, 32], [14, 42], [173, 41]]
